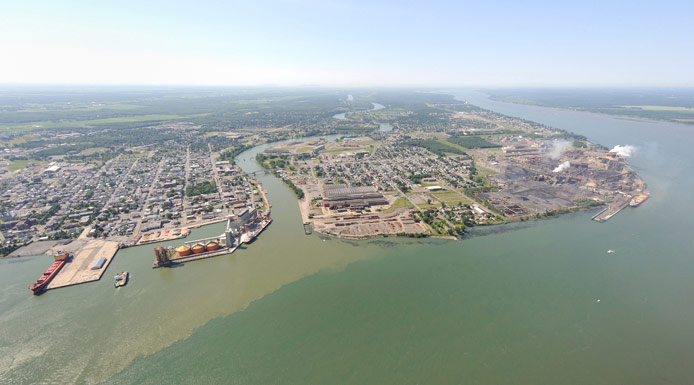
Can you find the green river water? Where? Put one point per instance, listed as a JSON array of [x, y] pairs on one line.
[[513, 304]]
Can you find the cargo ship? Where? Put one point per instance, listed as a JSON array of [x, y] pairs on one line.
[[639, 199], [40, 285]]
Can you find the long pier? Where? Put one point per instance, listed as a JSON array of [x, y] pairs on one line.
[[229, 241], [196, 257], [610, 211]]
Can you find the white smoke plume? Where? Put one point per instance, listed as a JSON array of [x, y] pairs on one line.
[[562, 167], [624, 151], [558, 147]]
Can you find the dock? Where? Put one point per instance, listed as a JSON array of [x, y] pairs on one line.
[[78, 270], [610, 211], [196, 257], [163, 236]]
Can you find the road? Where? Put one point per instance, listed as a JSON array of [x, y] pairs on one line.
[[217, 181], [155, 181], [186, 203]]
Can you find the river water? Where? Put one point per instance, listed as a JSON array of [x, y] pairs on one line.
[[509, 305], [382, 127]]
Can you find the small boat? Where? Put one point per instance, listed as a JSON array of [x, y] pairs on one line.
[[121, 279]]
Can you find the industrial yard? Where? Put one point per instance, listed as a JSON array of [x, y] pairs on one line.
[[482, 168]]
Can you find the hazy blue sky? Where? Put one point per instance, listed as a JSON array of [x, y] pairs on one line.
[[348, 43]]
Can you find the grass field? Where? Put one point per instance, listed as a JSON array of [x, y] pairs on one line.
[[339, 150], [447, 143], [95, 122], [134, 155], [17, 165], [93, 150], [450, 198], [485, 172], [23, 139], [400, 202], [81, 107]]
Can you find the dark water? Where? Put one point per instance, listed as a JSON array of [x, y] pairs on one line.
[[513, 305]]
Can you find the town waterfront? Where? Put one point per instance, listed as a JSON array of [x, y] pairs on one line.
[[537, 302]]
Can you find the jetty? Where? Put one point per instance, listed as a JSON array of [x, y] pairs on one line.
[[611, 210], [240, 229], [79, 269], [173, 259]]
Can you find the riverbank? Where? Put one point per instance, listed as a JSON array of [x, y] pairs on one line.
[[613, 108]]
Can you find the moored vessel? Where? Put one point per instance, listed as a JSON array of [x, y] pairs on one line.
[[639, 199], [40, 285], [61, 256]]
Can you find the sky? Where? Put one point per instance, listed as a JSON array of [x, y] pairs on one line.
[[348, 43]]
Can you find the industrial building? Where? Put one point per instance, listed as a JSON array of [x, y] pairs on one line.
[[341, 195]]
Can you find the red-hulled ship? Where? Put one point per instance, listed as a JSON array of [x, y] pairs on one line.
[[43, 281]]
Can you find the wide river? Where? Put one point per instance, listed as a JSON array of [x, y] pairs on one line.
[[508, 305]]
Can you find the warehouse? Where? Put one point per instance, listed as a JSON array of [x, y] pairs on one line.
[[340, 195]]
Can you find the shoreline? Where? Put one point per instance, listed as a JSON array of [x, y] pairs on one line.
[[576, 109]]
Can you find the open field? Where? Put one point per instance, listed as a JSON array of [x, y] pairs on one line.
[[26, 127], [450, 198], [447, 143], [81, 107], [22, 139], [17, 165], [399, 203], [97, 122], [339, 150], [93, 150]]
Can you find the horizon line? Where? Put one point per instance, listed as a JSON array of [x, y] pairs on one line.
[[288, 86]]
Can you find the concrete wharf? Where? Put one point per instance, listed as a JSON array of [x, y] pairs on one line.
[[196, 257], [78, 269], [610, 211]]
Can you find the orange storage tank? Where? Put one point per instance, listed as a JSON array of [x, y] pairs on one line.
[[198, 248], [183, 251], [212, 246]]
